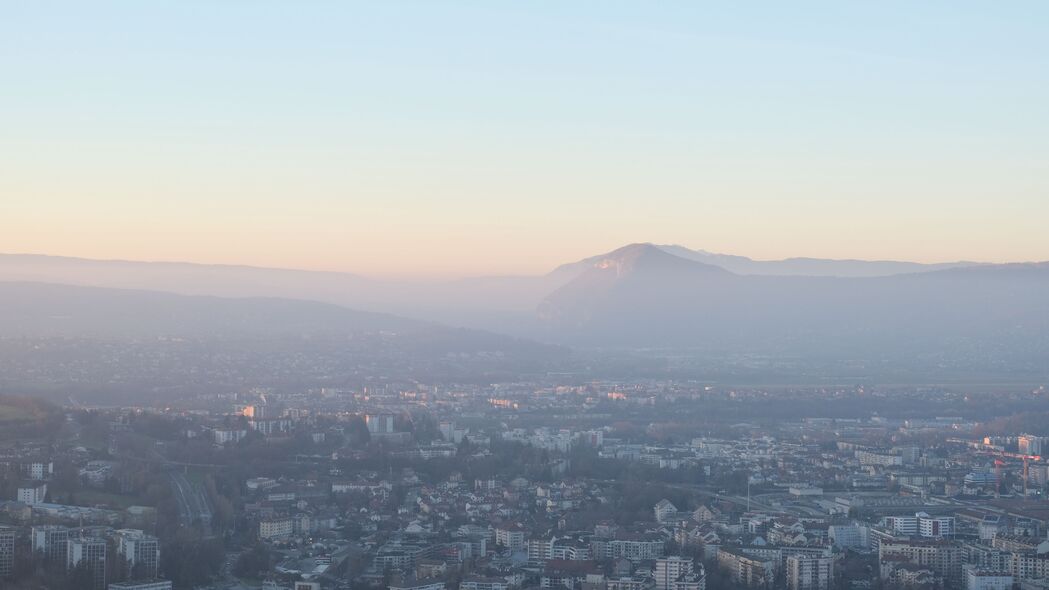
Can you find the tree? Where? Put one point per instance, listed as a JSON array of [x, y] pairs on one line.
[[189, 559], [251, 562], [357, 432]]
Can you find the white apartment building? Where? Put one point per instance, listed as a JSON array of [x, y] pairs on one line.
[[669, 569], [275, 528], [510, 536], [883, 459], [809, 573], [32, 494], [849, 536], [921, 524]]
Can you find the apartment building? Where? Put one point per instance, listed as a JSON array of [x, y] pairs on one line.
[[750, 571], [7, 551], [89, 552], [140, 551], [809, 573], [669, 569]]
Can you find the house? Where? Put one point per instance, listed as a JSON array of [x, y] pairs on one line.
[[663, 509]]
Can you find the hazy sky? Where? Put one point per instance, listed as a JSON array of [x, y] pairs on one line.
[[473, 137]]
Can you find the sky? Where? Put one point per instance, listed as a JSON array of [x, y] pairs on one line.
[[465, 138]]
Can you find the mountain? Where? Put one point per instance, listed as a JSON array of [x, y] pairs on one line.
[[820, 267], [641, 296], [619, 277]]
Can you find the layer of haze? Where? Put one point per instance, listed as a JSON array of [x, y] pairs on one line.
[[467, 138]]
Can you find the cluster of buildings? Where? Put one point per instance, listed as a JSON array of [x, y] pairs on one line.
[[411, 488], [821, 495], [87, 549]]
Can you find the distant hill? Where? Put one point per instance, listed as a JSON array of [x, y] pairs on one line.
[[183, 278], [499, 303], [48, 310], [119, 346], [816, 267]]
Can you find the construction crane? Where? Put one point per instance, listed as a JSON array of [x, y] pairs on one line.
[[999, 463]]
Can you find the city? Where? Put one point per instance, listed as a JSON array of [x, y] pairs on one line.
[[571, 295], [604, 485]]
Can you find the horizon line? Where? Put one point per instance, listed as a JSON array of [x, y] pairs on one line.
[[424, 276]]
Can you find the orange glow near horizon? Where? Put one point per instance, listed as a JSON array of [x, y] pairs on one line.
[[456, 139]]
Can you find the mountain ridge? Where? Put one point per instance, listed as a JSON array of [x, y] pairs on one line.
[[605, 298], [8, 260], [34, 309], [810, 266]]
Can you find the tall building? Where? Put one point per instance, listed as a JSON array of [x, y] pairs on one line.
[[140, 551], [669, 569], [809, 573], [51, 541], [7, 551], [89, 552]]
